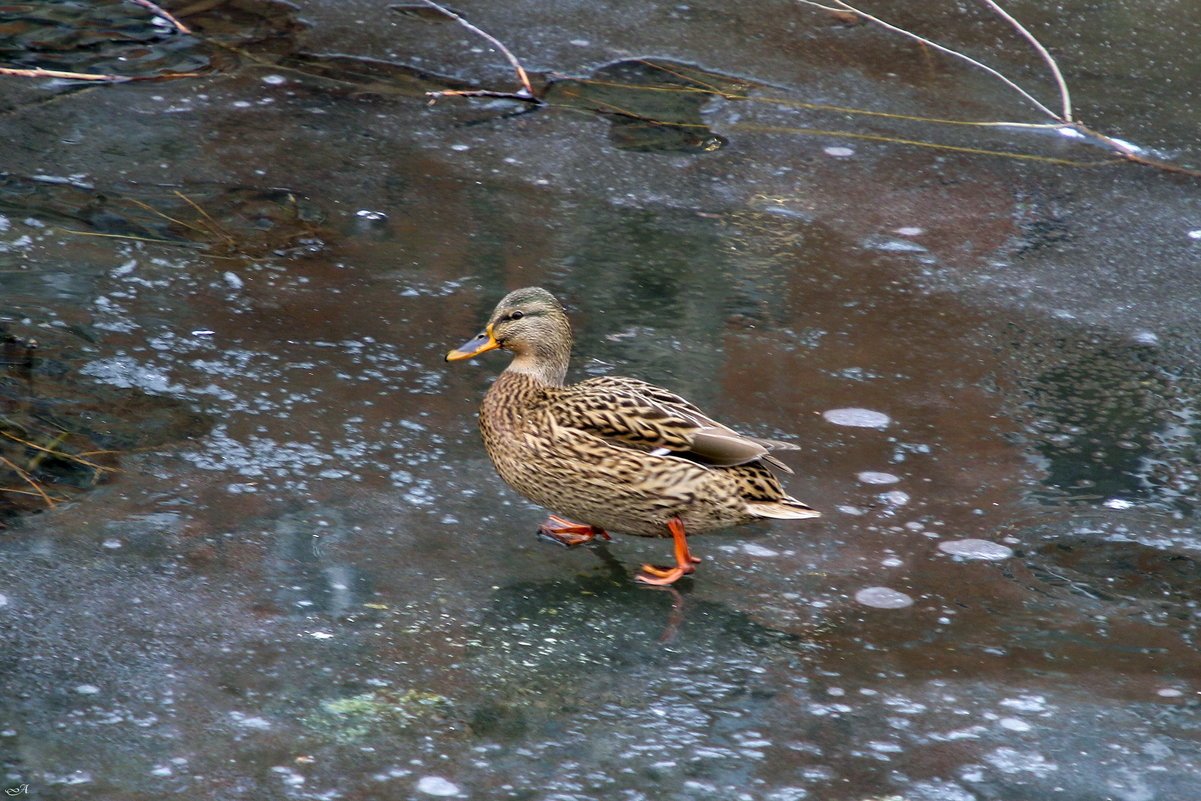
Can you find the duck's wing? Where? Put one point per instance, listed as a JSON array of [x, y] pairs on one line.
[[640, 415]]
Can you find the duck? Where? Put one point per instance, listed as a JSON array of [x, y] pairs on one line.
[[613, 453]]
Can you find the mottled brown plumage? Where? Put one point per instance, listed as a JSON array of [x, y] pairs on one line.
[[610, 452]]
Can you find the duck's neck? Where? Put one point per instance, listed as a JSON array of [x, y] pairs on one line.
[[546, 366]]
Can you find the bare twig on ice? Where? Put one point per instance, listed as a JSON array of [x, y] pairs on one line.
[[525, 93], [1061, 119], [163, 13], [844, 7], [38, 72], [1065, 96]]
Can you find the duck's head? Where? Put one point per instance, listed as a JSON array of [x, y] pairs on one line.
[[530, 324]]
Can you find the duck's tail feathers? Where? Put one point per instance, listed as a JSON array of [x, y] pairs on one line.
[[787, 508], [776, 463]]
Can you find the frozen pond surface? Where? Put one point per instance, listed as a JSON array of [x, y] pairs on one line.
[[253, 549]]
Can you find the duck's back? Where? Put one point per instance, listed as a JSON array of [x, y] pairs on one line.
[[593, 478]]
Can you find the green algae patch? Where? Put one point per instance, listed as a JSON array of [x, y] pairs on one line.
[[380, 712]]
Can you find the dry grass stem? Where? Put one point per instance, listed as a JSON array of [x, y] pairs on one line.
[[50, 451], [37, 488], [979, 151], [130, 237], [167, 217], [213, 226]]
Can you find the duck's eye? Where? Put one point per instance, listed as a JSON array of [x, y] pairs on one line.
[[516, 315]]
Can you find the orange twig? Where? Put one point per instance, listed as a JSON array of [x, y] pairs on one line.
[[38, 72], [167, 15], [527, 89]]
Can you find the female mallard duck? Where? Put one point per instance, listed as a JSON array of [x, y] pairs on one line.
[[614, 453]]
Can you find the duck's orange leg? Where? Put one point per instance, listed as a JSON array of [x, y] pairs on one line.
[[568, 533], [684, 559]]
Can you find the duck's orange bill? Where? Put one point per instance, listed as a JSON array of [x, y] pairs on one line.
[[481, 344]]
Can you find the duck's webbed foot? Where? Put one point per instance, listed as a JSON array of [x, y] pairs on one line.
[[685, 561], [565, 532]]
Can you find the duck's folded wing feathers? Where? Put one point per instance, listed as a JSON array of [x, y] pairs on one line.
[[647, 417]]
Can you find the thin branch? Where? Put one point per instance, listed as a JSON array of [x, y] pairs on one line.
[[1124, 150], [844, 6], [1065, 96], [520, 95], [167, 217], [131, 238], [25, 492], [527, 89], [167, 15], [38, 72]]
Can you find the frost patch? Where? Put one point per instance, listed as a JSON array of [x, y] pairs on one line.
[[258, 456], [1011, 760], [976, 549], [126, 373]]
